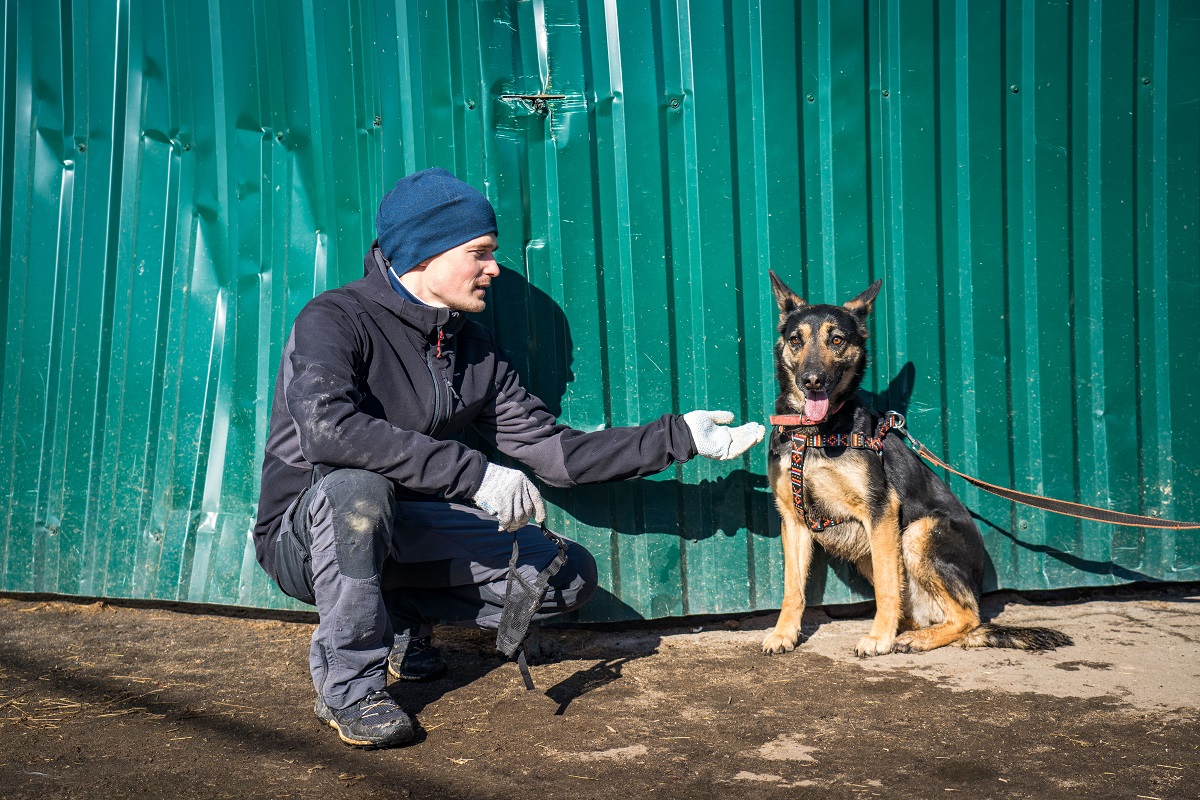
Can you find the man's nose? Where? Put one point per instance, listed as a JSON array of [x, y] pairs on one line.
[[491, 268]]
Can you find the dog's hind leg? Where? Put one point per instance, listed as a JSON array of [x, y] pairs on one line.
[[942, 606], [960, 621]]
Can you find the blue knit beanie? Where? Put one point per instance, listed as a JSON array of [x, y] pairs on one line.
[[428, 213]]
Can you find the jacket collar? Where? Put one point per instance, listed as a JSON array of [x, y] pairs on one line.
[[426, 319]]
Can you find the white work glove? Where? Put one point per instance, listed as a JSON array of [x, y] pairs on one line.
[[510, 497], [715, 440]]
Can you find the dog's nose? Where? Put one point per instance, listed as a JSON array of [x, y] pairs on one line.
[[812, 381]]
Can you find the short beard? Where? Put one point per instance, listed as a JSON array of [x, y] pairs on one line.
[[472, 306]]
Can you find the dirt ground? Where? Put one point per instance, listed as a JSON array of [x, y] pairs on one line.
[[107, 700]]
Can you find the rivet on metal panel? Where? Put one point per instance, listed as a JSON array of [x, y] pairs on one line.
[[187, 146], [82, 147], [470, 104], [378, 121], [1145, 81], [674, 102], [886, 93], [1013, 89], [809, 98], [279, 137]]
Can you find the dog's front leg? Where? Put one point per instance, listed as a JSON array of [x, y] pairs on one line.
[[797, 553], [887, 569]]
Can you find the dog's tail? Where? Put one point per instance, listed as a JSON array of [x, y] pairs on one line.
[[992, 635]]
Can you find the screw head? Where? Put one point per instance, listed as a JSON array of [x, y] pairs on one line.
[[886, 93], [674, 102], [1013, 89], [809, 98]]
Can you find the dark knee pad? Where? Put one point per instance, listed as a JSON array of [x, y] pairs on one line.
[[361, 513]]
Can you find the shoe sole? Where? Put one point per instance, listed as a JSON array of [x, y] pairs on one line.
[[366, 745]]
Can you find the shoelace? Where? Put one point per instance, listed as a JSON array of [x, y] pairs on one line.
[[418, 645], [375, 705]]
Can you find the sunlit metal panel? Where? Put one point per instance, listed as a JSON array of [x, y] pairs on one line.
[[177, 180]]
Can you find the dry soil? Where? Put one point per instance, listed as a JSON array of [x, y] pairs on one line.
[[108, 700]]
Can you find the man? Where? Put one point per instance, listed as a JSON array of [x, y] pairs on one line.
[[371, 508]]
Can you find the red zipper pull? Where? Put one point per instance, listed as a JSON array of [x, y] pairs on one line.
[[441, 336]]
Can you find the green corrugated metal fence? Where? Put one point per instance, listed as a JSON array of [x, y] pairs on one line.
[[178, 179]]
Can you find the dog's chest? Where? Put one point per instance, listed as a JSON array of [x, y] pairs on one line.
[[841, 486], [841, 483]]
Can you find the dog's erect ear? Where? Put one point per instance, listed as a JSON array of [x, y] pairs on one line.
[[861, 305], [787, 300]]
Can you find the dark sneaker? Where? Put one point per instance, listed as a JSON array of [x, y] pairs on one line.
[[374, 721], [419, 661]]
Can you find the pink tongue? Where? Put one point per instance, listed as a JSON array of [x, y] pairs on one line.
[[816, 406]]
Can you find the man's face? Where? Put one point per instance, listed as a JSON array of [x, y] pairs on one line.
[[458, 278]]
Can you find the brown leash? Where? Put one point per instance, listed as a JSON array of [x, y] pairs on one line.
[[1077, 510]]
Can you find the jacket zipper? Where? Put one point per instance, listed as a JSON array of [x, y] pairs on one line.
[[440, 418]]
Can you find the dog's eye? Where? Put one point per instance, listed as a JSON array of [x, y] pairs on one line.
[[837, 341], [794, 341]]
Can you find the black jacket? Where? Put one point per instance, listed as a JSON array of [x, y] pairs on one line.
[[371, 381]]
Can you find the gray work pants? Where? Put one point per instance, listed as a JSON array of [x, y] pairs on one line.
[[375, 567]]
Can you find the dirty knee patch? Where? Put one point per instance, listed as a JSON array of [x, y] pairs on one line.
[[360, 524]]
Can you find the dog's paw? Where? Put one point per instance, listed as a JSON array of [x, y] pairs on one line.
[[874, 646], [777, 642]]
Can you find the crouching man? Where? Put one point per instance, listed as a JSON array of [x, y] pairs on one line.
[[373, 511]]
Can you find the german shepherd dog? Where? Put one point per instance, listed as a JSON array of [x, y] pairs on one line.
[[879, 508]]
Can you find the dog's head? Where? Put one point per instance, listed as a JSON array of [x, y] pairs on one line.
[[821, 354]]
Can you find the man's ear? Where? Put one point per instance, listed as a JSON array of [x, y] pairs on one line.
[[787, 300]]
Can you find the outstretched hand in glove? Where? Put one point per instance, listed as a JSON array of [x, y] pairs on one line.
[[715, 439]]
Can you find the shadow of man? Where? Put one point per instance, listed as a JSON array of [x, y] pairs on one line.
[[533, 329]]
